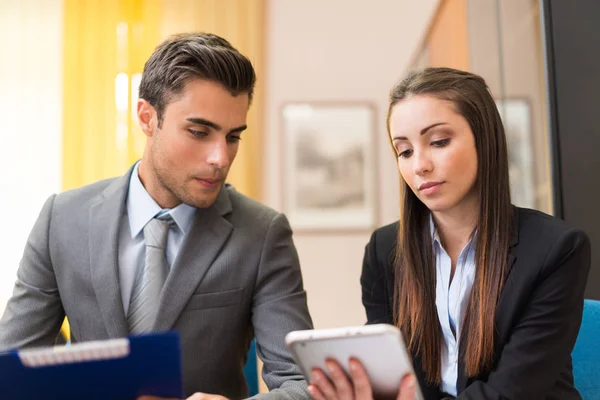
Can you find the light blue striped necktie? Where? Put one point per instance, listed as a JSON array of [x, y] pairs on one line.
[[145, 296]]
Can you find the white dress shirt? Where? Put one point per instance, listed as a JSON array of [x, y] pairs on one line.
[[451, 301], [140, 209]]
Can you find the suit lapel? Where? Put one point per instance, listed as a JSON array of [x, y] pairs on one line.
[[462, 380], [105, 217], [200, 248]]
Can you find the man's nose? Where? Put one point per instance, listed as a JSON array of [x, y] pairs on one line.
[[218, 155]]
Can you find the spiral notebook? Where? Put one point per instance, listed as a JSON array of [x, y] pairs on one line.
[[118, 369]]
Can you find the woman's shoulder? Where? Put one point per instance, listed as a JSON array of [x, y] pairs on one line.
[[385, 236], [382, 246], [544, 237], [539, 226]]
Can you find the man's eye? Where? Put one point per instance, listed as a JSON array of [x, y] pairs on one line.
[[197, 133], [234, 138]]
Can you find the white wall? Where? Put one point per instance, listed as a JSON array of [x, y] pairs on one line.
[[327, 51], [30, 117]]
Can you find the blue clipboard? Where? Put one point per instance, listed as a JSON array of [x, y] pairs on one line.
[[118, 369]]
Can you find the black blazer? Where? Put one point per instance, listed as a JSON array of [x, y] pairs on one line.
[[537, 318]]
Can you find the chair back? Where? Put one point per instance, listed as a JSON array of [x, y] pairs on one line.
[[251, 370], [586, 353]]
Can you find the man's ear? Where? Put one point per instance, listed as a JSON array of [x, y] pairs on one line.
[[147, 117]]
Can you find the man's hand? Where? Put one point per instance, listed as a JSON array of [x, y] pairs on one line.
[[195, 396]]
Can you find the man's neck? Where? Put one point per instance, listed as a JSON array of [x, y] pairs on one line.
[[149, 180]]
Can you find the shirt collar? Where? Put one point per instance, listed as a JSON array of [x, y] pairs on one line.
[[141, 207], [434, 233]]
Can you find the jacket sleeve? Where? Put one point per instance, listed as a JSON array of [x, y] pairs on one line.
[[34, 313], [375, 296], [279, 306]]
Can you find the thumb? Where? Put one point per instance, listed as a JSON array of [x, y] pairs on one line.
[[407, 388]]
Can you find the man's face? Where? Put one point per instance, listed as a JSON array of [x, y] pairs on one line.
[[188, 158]]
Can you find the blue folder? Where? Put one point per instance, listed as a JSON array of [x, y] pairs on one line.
[[121, 369]]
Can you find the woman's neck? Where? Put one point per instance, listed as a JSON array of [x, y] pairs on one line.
[[455, 227]]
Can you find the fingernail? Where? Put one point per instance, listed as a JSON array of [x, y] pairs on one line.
[[411, 382], [330, 367], [353, 366]]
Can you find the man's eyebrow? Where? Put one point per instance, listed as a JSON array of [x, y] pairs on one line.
[[205, 122], [213, 125]]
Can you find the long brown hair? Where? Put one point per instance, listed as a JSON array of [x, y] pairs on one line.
[[414, 293]]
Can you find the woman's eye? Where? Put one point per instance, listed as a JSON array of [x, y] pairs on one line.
[[440, 143], [405, 154], [197, 133]]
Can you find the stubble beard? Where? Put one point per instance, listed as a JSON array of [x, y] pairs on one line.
[[180, 192]]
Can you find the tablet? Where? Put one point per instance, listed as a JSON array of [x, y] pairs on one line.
[[379, 347]]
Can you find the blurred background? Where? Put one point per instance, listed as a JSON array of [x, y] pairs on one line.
[[69, 72]]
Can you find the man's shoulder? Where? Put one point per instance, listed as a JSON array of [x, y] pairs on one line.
[[84, 194]]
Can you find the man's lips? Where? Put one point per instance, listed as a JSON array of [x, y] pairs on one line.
[[209, 182]]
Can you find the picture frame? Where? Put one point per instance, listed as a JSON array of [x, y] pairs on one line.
[[329, 177]]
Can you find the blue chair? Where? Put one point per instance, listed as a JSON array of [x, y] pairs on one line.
[[251, 370], [586, 354]]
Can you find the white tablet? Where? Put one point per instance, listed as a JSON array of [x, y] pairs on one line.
[[379, 347]]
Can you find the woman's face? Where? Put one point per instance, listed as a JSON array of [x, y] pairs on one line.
[[436, 152]]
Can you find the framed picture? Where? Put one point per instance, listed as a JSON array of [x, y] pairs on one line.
[[329, 175], [516, 117]]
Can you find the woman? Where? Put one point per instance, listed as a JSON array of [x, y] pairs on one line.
[[488, 296]]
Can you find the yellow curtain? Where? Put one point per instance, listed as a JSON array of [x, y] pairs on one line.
[[106, 45]]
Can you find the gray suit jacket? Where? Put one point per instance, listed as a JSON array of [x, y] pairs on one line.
[[236, 275]]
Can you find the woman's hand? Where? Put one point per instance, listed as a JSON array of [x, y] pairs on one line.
[[356, 388]]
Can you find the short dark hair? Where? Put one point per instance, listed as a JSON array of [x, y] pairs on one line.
[[187, 56]]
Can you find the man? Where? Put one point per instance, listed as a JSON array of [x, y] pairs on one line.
[[169, 245]]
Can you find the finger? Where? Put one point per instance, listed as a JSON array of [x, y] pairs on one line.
[[360, 379], [198, 396], [342, 385], [321, 382], [407, 388], [315, 393]]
